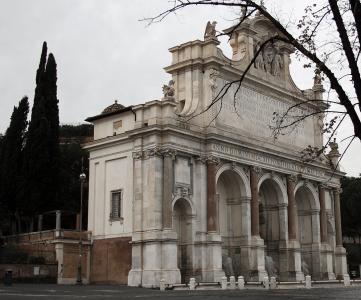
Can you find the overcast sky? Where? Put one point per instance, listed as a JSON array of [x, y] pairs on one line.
[[105, 53]]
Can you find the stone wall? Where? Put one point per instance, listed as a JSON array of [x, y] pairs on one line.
[[111, 260], [30, 272]]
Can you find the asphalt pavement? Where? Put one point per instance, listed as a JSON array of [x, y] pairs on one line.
[[60, 292]]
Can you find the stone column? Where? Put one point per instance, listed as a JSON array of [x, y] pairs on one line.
[[323, 216], [257, 267], [168, 172], [135, 274], [212, 211], [340, 253], [254, 202], [336, 196], [292, 209], [213, 272], [326, 263], [292, 259], [245, 250]]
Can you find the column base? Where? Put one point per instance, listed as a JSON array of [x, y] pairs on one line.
[[340, 262], [290, 261], [151, 278], [257, 269], [327, 272], [135, 278], [212, 271], [154, 257]]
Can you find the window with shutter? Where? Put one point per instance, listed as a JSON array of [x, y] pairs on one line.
[[116, 205]]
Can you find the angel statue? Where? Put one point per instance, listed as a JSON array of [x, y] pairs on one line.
[[210, 30], [168, 90]]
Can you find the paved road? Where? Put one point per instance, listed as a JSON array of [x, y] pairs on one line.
[[43, 291]]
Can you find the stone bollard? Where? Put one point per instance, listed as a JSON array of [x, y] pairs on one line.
[[240, 282], [192, 284], [266, 282], [273, 283], [162, 285], [232, 283], [308, 281], [346, 280], [224, 283]]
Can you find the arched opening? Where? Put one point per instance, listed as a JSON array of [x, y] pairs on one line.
[[270, 196], [230, 190], [305, 237], [182, 224]]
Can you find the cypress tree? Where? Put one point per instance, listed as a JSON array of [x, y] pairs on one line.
[[11, 175], [42, 149]]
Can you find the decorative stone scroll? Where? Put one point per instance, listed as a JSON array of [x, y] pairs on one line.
[[213, 75], [182, 191]]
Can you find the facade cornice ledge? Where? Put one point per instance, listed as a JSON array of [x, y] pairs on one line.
[[110, 140], [183, 45], [184, 64], [253, 153], [194, 63]]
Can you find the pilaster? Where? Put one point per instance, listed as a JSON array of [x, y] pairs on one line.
[[257, 269], [154, 243], [290, 251], [326, 259], [340, 252]]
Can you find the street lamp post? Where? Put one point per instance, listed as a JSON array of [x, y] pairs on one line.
[[82, 178]]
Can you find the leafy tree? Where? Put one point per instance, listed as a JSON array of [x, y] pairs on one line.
[[351, 206], [11, 158], [41, 163], [79, 131], [328, 36]]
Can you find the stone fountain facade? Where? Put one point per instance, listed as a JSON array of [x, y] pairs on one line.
[[206, 190]]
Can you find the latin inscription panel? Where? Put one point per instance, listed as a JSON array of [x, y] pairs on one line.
[[252, 114]]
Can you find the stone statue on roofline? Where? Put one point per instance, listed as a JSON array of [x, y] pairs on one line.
[[243, 12], [210, 31], [318, 78], [168, 90]]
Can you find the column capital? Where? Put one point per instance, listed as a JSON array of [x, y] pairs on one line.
[[137, 155], [169, 152], [337, 190], [256, 169], [292, 178], [245, 199], [212, 160], [208, 159], [282, 205], [155, 151], [322, 185]]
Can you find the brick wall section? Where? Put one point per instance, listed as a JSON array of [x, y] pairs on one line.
[[26, 271], [71, 260], [111, 260]]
